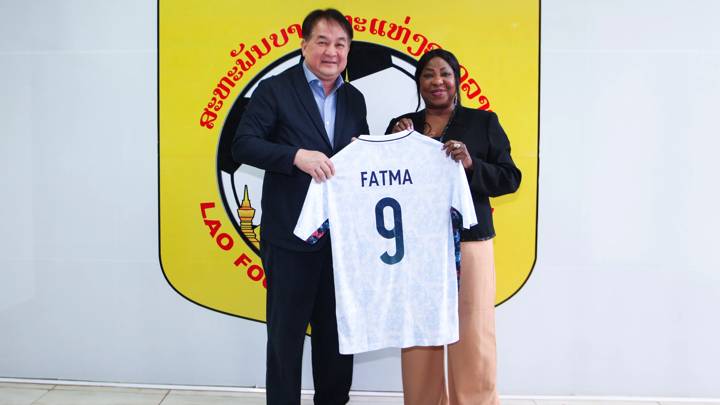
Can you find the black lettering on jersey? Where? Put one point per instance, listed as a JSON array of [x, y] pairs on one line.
[[406, 177], [385, 178], [395, 176]]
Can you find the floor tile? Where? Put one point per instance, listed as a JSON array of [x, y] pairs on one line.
[[30, 386], [518, 402], [202, 398], [591, 402], [97, 388], [699, 402], [234, 394], [98, 397], [367, 400], [20, 396]]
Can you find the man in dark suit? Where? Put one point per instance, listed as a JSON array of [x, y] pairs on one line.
[[294, 122]]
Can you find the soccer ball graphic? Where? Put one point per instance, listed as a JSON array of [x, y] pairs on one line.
[[383, 75]]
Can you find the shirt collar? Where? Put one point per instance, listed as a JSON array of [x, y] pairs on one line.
[[310, 77]]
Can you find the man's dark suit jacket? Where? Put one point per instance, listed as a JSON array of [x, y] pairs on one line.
[[281, 118]]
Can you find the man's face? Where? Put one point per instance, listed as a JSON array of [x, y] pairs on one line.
[[326, 50]]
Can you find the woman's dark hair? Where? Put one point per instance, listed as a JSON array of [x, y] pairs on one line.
[[330, 15], [451, 60]]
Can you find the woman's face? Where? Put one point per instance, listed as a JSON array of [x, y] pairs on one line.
[[437, 84]]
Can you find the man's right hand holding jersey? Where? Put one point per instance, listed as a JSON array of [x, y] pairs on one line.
[[314, 163]]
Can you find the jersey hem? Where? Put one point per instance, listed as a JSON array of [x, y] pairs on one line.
[[422, 343]]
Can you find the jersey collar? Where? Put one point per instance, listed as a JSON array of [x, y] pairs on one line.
[[386, 138]]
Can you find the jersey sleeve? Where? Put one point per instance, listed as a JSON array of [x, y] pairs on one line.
[[312, 223], [461, 197]]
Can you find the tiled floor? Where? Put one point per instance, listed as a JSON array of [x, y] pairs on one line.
[[46, 394]]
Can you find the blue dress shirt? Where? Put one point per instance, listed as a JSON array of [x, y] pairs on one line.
[[327, 105]]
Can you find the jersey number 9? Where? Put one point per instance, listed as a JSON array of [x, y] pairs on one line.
[[396, 232]]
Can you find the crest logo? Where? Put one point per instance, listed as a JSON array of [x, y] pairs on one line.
[[210, 206]]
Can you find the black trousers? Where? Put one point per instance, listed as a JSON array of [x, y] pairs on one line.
[[300, 290]]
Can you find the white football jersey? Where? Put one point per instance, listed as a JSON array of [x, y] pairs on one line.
[[388, 208]]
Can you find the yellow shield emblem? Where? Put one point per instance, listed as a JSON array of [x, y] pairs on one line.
[[211, 58]]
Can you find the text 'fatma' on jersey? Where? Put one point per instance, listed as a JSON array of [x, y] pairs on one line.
[[385, 178]]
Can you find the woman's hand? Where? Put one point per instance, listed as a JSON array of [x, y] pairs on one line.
[[458, 152], [402, 124]]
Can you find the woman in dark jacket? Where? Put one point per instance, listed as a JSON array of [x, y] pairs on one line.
[[476, 139]]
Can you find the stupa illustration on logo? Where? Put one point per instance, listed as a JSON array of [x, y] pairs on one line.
[[382, 74]]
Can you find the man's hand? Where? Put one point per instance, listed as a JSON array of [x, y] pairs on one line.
[[314, 163]]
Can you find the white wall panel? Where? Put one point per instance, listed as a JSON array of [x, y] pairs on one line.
[[622, 300]]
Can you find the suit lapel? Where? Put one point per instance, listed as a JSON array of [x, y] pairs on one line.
[[340, 110], [456, 130], [307, 99], [418, 120]]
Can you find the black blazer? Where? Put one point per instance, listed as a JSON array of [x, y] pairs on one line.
[[281, 118], [494, 173]]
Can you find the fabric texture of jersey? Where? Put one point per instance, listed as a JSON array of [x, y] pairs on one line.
[[389, 211]]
